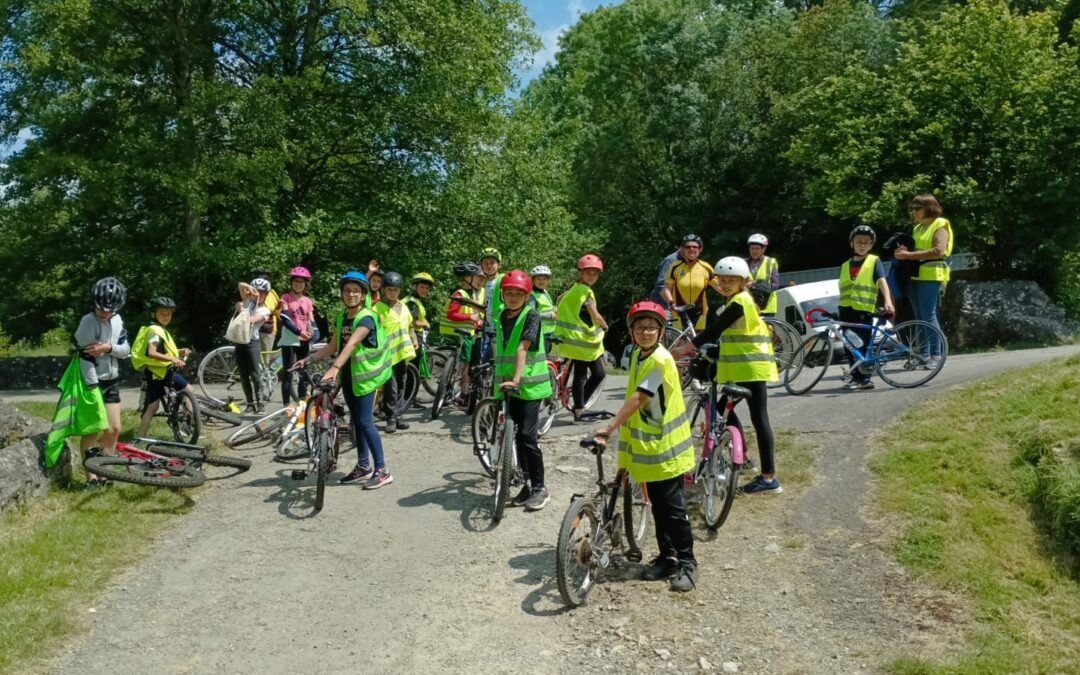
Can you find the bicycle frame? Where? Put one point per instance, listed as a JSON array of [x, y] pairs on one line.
[[835, 327], [608, 494]]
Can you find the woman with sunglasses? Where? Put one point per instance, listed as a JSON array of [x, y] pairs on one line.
[[933, 246]]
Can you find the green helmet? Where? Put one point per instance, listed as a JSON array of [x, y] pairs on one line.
[[490, 252]]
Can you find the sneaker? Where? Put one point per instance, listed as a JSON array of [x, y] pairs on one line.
[[760, 485], [538, 499], [358, 474], [391, 425], [401, 425], [855, 385], [930, 363], [378, 479], [866, 384], [522, 496], [659, 568], [686, 578]]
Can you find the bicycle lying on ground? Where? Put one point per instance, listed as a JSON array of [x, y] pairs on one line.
[[160, 463], [179, 408]]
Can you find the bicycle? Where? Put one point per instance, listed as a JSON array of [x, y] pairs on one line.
[[218, 373], [449, 388], [179, 408], [899, 355], [562, 387], [672, 337], [592, 529], [268, 426], [405, 401], [497, 451], [215, 413], [323, 415], [722, 447], [295, 439], [429, 363], [160, 464]]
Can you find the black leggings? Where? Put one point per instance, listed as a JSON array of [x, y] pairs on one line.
[[849, 315], [759, 417], [673, 534], [526, 415], [247, 363], [289, 356], [587, 377]]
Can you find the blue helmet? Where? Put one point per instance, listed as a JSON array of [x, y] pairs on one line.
[[354, 277]]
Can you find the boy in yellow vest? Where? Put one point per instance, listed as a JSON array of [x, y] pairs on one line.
[[655, 444], [860, 279], [155, 351], [401, 342]]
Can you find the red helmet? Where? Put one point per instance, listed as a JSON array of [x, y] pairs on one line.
[[516, 279], [590, 262], [646, 308]]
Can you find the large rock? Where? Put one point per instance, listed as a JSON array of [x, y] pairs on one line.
[[977, 314], [22, 474], [15, 425]]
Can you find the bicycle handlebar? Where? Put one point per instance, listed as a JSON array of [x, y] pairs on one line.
[[591, 444]]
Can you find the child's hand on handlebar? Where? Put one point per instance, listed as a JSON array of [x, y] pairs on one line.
[[683, 349]]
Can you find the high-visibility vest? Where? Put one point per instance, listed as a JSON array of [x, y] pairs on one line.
[[651, 449], [579, 341], [446, 326], [535, 383], [933, 270], [397, 324], [139, 359], [416, 308], [544, 305], [493, 293], [746, 350], [368, 366], [764, 273], [861, 293]]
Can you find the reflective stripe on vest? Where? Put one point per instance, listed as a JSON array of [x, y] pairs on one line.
[[535, 383], [397, 323], [764, 273], [861, 293], [579, 341], [746, 352], [933, 270], [369, 367]]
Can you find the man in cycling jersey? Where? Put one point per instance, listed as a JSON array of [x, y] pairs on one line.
[[657, 294], [688, 279]]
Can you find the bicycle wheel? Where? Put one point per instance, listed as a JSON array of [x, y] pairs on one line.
[[324, 442], [260, 428], [903, 356], [184, 418], [671, 338], [504, 470], [635, 517], [143, 472], [483, 432], [721, 481], [785, 341], [218, 375], [576, 551], [196, 456], [446, 388], [810, 364], [549, 407], [436, 362], [412, 388], [269, 375], [212, 416], [292, 445]]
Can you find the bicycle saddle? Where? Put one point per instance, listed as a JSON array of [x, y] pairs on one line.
[[735, 391]]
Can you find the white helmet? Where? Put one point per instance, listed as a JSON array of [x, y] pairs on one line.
[[758, 239], [732, 266], [260, 284], [541, 271]]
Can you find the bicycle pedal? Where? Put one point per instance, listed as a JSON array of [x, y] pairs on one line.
[[299, 474], [633, 556]]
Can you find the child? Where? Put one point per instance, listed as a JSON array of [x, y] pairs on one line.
[[248, 356], [521, 373], [860, 279], [358, 346], [581, 328], [421, 287], [746, 358], [655, 444], [268, 329], [102, 341], [155, 351], [543, 302], [375, 279], [298, 319], [402, 344], [459, 315]]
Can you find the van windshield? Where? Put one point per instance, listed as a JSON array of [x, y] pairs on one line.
[[830, 304]]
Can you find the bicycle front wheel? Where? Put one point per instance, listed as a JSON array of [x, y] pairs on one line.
[[483, 432], [445, 390], [436, 362], [809, 365], [184, 418], [549, 407], [721, 480], [260, 428], [635, 516], [142, 472], [324, 442], [911, 354], [785, 342], [504, 470], [201, 458], [576, 551], [218, 376]]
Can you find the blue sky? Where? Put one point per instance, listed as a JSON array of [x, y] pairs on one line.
[[552, 17]]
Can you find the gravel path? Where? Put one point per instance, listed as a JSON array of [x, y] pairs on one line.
[[411, 578]]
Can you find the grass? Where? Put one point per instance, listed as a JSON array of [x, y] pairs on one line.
[[985, 485]]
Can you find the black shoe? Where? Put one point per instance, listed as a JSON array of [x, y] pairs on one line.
[[401, 425], [391, 425], [686, 579], [358, 474], [659, 568], [522, 496]]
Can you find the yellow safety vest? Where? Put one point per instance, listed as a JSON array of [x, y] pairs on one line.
[[397, 323], [933, 270], [654, 450], [421, 311], [446, 326], [579, 341], [859, 294], [746, 350], [544, 305], [139, 359], [764, 273], [369, 366]]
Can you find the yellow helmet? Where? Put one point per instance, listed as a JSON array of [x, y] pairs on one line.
[[423, 278]]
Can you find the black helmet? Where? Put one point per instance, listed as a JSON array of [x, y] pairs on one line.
[[392, 280], [467, 269], [692, 238], [162, 302], [865, 230], [109, 294]]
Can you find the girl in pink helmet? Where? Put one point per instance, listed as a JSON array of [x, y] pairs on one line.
[[298, 322]]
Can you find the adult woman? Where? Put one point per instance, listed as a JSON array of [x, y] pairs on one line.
[[253, 297], [933, 246], [297, 319]]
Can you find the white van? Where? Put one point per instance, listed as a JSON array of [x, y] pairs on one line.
[[793, 302]]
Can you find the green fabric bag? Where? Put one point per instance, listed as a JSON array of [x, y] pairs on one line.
[[79, 412]]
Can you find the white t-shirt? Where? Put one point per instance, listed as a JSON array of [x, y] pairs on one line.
[[653, 385], [260, 311]]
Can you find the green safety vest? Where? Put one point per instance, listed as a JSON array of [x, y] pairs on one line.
[[397, 324], [496, 308], [544, 304], [579, 341], [933, 270], [764, 273], [746, 352], [654, 450], [139, 359], [369, 367], [446, 326], [535, 380], [861, 293]]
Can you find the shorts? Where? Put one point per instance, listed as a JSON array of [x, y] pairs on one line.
[[155, 389], [110, 390]]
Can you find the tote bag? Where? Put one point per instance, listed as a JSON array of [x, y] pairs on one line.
[[239, 330]]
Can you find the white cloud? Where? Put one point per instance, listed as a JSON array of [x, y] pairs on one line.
[[546, 54]]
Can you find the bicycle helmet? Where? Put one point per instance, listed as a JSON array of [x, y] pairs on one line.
[[161, 302], [260, 284], [299, 272], [732, 266], [354, 277], [590, 262], [692, 239], [423, 278], [516, 279], [109, 294], [541, 271], [467, 269], [490, 252], [758, 239], [864, 230], [392, 280], [646, 308]]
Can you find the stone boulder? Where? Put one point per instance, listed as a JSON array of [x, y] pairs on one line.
[[15, 425], [22, 447], [979, 314]]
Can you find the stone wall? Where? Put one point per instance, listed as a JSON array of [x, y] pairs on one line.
[[43, 372]]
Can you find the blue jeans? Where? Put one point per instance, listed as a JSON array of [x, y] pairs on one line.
[[924, 297], [362, 412]]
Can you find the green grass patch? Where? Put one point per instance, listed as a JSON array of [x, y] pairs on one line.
[[985, 482]]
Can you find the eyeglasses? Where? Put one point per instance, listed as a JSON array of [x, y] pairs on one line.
[[692, 247], [645, 330]]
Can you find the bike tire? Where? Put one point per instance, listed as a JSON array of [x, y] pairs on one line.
[[549, 407], [211, 416], [217, 372], [141, 472], [484, 421], [292, 445], [575, 572], [412, 389], [184, 418], [813, 357], [597, 393], [504, 471], [786, 341], [445, 388], [720, 480], [322, 471], [898, 354], [436, 364], [196, 456], [672, 336], [635, 517], [260, 428]]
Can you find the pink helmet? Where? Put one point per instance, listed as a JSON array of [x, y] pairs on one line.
[[300, 273], [590, 262]]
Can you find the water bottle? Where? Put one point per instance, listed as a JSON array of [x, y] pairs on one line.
[[853, 338]]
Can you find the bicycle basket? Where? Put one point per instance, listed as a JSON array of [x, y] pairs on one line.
[[702, 369]]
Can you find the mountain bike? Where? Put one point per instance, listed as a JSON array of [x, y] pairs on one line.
[[900, 354], [594, 527], [324, 416], [179, 408], [160, 463], [449, 388], [497, 452], [219, 378], [429, 363], [562, 386]]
